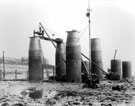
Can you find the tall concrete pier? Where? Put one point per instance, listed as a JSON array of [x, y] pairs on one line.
[[116, 67], [35, 73], [73, 57], [126, 69], [60, 58], [96, 56]]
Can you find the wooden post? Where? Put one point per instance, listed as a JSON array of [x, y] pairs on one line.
[[54, 73], [42, 73], [15, 74], [0, 75], [3, 66], [27, 76]]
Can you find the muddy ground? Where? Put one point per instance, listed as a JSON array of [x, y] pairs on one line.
[[17, 93], [23, 93]]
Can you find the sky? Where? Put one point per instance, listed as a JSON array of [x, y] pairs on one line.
[[113, 21]]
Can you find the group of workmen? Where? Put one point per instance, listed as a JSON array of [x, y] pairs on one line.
[[40, 32], [92, 81]]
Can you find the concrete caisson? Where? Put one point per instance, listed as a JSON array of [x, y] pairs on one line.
[[73, 57], [60, 59], [35, 73], [116, 66], [96, 57], [126, 69]]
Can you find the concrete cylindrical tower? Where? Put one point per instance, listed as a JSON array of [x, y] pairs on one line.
[[35, 60], [116, 66], [60, 58], [73, 57], [96, 56], [126, 69]]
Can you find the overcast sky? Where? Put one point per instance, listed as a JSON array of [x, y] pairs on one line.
[[113, 21]]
